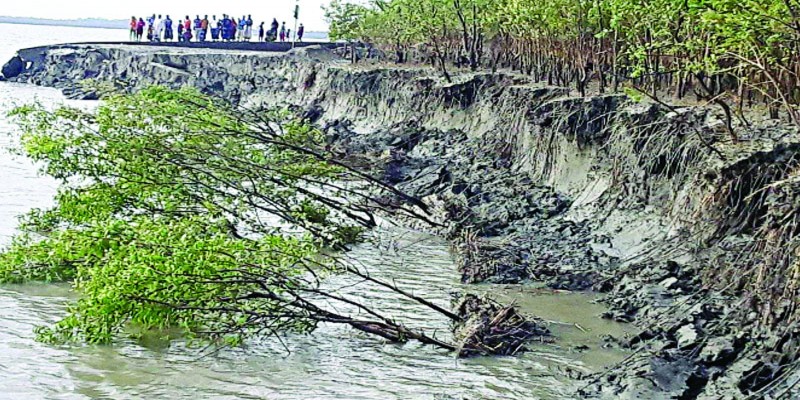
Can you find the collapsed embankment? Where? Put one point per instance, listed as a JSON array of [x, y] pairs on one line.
[[689, 234]]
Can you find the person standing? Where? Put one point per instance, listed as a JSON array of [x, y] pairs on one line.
[[215, 29], [283, 32], [187, 29], [151, 27], [180, 31], [168, 29], [134, 24], [159, 29], [273, 32], [248, 28], [213, 24], [204, 29], [197, 25], [261, 32], [240, 30], [140, 30], [300, 31]]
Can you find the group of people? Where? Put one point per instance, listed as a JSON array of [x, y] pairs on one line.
[[228, 29]]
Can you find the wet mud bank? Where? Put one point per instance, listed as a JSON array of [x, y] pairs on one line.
[[689, 235]]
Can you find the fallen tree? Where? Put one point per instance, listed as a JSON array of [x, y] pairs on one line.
[[176, 211]]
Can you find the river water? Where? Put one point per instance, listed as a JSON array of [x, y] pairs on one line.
[[332, 363]]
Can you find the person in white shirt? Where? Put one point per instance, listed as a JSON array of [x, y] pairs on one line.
[[160, 27], [248, 28]]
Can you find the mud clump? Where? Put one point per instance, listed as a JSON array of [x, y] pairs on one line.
[[504, 227], [13, 68]]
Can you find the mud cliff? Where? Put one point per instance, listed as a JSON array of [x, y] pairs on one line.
[[688, 233]]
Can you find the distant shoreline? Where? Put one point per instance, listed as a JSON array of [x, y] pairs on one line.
[[96, 24], [60, 25], [104, 24]]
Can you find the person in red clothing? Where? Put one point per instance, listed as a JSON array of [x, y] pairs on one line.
[[204, 29], [134, 24], [187, 30]]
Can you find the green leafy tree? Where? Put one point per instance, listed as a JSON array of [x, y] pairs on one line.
[[725, 51], [170, 214], [345, 20]]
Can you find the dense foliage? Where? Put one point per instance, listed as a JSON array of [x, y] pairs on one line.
[[176, 212], [163, 152], [189, 273], [741, 52]]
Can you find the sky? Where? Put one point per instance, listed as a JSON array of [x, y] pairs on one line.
[[311, 13]]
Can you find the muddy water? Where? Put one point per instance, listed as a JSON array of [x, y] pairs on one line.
[[333, 363]]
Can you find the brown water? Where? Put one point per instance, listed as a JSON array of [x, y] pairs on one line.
[[333, 363]]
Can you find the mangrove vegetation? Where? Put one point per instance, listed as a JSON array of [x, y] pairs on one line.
[[178, 212], [731, 53]]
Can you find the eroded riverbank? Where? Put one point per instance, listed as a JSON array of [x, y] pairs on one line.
[[647, 204], [335, 362]]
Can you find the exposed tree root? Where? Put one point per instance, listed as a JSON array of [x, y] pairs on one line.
[[491, 329]]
